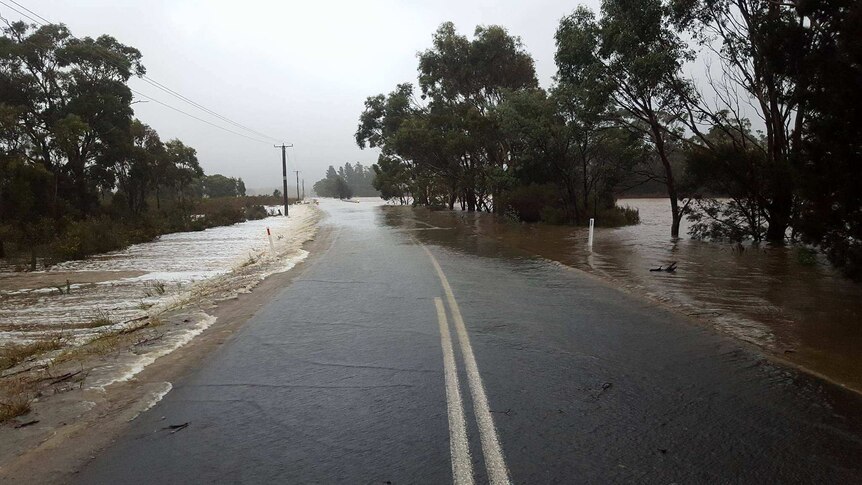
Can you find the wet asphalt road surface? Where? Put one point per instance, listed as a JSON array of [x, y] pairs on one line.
[[345, 377]]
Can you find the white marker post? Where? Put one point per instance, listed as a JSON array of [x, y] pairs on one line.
[[590, 240], [269, 235]]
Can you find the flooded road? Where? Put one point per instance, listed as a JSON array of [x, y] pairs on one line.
[[806, 313], [408, 348]]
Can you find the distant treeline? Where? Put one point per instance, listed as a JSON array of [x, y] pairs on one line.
[[349, 181], [78, 174], [625, 110]]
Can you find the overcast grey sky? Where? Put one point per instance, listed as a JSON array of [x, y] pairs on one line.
[[293, 70]]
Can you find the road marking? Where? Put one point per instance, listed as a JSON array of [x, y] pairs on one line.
[[462, 466], [498, 474]]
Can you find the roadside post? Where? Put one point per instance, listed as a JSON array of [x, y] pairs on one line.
[[590, 239], [269, 235]]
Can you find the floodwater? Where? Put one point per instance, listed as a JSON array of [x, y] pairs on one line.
[[806, 314], [143, 278]]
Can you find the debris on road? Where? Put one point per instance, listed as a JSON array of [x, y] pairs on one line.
[[176, 427]]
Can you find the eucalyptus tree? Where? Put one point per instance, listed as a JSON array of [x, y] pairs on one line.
[[183, 166], [758, 43], [218, 185], [392, 179], [564, 139], [134, 164], [380, 127], [632, 54], [67, 97], [463, 81]]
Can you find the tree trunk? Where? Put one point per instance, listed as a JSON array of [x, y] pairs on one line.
[[676, 216], [471, 200], [670, 183], [780, 211]]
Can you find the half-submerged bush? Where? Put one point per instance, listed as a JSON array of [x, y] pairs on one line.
[[618, 216]]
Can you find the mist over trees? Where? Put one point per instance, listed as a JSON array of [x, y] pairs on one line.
[[760, 146], [78, 174], [348, 181]]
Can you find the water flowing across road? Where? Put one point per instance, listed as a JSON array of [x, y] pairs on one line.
[[806, 313]]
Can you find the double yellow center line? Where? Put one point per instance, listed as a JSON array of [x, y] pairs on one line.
[[462, 468]]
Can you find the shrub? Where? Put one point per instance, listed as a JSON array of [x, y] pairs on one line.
[[528, 201], [255, 212], [618, 216], [89, 236]]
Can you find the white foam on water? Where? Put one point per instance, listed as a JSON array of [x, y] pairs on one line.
[[172, 268], [154, 399], [291, 262], [122, 372]]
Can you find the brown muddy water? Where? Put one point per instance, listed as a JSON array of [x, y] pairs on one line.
[[806, 313]]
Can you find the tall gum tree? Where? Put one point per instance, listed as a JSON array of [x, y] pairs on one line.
[[468, 79], [69, 96], [756, 41], [632, 54]]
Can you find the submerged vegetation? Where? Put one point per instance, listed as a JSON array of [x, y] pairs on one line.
[[13, 354], [625, 111]]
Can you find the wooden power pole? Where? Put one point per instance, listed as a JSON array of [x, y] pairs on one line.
[[297, 184], [284, 172]]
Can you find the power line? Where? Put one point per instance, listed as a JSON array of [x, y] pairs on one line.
[[30, 11], [202, 107], [195, 117], [160, 86], [19, 12]]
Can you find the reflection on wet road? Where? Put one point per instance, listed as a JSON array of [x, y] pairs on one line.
[[415, 352]]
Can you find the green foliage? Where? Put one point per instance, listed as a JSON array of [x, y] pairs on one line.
[[450, 147], [79, 175], [392, 179], [617, 216], [359, 180], [724, 221], [218, 185], [255, 212], [737, 169], [630, 58], [89, 236], [531, 202]]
